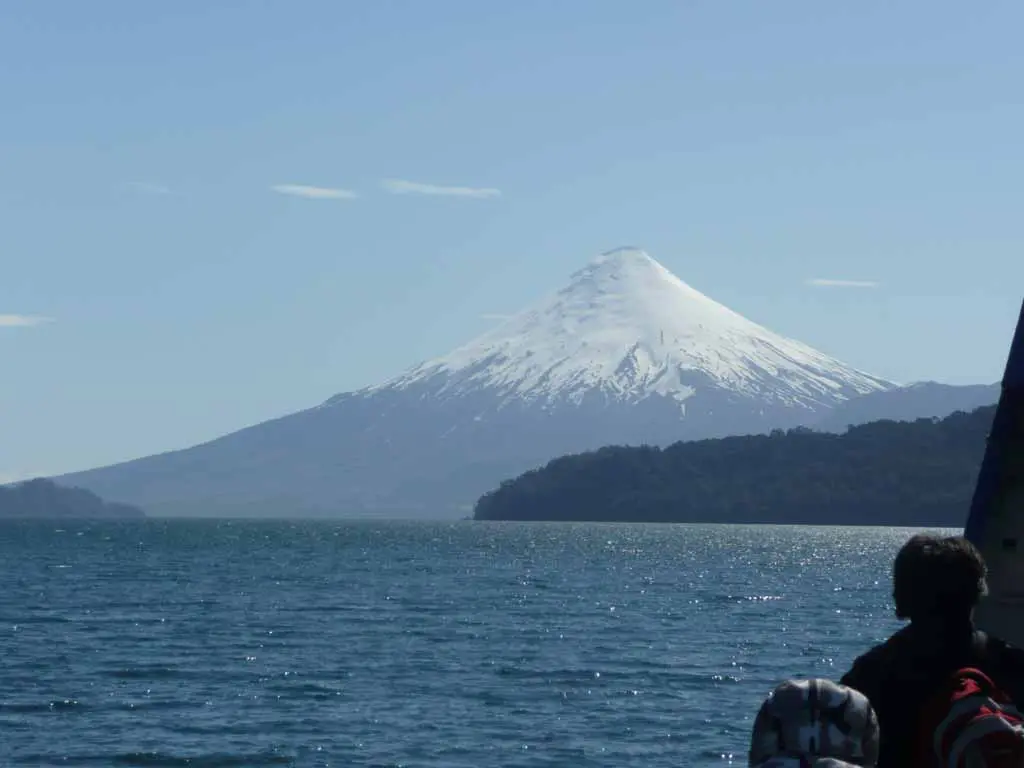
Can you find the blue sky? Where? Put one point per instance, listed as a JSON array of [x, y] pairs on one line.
[[167, 277]]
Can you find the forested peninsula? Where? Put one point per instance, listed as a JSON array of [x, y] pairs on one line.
[[918, 473], [45, 499]]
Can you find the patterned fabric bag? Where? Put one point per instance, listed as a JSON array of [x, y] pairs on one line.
[[814, 724]]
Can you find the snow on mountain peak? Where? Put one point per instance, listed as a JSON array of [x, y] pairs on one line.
[[624, 254], [625, 326]]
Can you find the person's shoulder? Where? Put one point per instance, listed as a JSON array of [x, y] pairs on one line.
[[873, 666], [889, 649], [1006, 666], [874, 657], [1011, 657]]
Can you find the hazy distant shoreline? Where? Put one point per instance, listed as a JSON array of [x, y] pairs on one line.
[[44, 499]]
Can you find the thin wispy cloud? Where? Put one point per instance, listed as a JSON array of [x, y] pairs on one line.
[[23, 321], [826, 282], [314, 193], [496, 317], [402, 187], [148, 188]]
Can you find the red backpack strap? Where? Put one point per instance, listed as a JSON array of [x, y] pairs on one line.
[[979, 718], [944, 713]]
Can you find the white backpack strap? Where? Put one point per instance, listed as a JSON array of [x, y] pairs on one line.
[[977, 730]]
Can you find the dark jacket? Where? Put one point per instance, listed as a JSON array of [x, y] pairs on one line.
[[901, 674]]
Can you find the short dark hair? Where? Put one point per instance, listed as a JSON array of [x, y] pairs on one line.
[[937, 577]]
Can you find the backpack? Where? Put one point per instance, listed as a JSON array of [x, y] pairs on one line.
[[971, 723]]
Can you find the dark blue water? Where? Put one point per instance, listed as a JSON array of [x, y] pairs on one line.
[[400, 644]]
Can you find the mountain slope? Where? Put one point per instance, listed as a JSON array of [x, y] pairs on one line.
[[626, 353], [926, 399]]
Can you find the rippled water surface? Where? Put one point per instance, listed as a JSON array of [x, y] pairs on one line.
[[402, 644]]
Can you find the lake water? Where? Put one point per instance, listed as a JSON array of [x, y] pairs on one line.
[[231, 643]]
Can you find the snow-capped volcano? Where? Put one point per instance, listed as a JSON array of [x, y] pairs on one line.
[[626, 354], [627, 327]]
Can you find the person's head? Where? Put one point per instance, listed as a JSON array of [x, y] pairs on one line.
[[937, 578], [816, 722]]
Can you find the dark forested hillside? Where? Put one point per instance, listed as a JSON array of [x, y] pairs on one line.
[[43, 498], [882, 473]]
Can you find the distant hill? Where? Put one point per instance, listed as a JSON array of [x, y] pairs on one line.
[[918, 473], [923, 400], [45, 499]]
